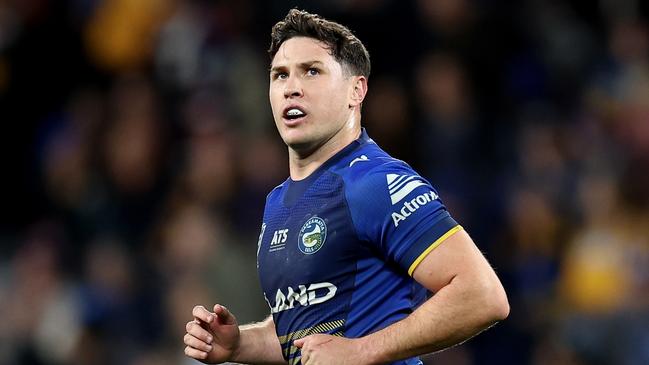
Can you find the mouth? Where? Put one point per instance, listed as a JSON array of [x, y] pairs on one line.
[[293, 115]]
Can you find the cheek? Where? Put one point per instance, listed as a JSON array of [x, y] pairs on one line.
[[274, 100], [332, 97], [336, 102]]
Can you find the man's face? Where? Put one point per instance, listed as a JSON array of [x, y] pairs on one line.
[[309, 94]]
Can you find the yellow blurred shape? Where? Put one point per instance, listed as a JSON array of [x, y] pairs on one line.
[[120, 36], [595, 276]]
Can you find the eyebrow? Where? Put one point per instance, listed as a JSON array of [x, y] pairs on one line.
[[301, 65]]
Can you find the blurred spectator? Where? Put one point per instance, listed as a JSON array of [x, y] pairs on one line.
[[447, 136], [209, 173], [194, 243], [133, 159], [261, 166], [41, 321], [109, 304], [387, 116], [132, 141], [604, 279], [446, 17], [180, 42]]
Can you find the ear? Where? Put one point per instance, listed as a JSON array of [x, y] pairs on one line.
[[358, 91]]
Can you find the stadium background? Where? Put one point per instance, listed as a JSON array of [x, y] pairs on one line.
[[138, 146]]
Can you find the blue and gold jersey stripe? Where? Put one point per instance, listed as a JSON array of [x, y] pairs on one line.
[[433, 246], [334, 328]]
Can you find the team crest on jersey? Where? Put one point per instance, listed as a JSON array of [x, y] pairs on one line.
[[312, 235]]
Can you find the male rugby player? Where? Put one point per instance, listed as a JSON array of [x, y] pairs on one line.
[[354, 240]]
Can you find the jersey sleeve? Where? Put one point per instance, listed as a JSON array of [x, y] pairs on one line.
[[399, 213]]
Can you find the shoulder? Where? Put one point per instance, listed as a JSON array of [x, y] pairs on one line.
[[371, 176], [276, 192], [365, 161]]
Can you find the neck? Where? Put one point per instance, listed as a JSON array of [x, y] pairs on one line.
[[301, 164]]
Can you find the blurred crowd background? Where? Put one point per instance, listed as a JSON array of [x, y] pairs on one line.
[[138, 147]]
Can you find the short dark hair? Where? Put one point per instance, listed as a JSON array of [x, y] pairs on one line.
[[343, 46]]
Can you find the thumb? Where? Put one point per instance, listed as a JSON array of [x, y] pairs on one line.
[[224, 316], [299, 342]]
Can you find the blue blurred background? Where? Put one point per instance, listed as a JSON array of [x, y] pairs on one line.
[[138, 147]]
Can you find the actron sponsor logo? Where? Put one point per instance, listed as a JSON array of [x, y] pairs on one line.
[[411, 206]]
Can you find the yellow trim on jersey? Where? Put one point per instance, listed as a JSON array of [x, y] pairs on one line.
[[433, 246], [320, 328], [293, 349]]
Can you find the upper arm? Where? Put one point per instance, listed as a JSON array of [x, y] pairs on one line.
[[457, 256]]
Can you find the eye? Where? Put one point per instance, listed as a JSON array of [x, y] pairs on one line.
[[313, 71], [279, 76]]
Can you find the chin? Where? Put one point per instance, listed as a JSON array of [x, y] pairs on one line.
[[300, 143], [294, 137]]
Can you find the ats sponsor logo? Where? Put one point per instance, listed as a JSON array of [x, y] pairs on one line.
[[279, 240]]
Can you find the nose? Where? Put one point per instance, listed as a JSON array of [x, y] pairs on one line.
[[292, 88]]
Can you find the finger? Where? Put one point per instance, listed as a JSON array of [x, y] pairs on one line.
[[224, 315], [196, 343], [306, 357], [317, 339], [195, 354], [199, 312], [299, 343], [194, 328]]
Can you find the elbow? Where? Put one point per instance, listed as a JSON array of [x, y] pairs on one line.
[[498, 303], [494, 303], [501, 310]]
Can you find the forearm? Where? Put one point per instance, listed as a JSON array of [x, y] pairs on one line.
[[259, 344], [455, 313]]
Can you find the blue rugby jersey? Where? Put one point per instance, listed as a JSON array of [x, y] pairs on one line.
[[337, 250]]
